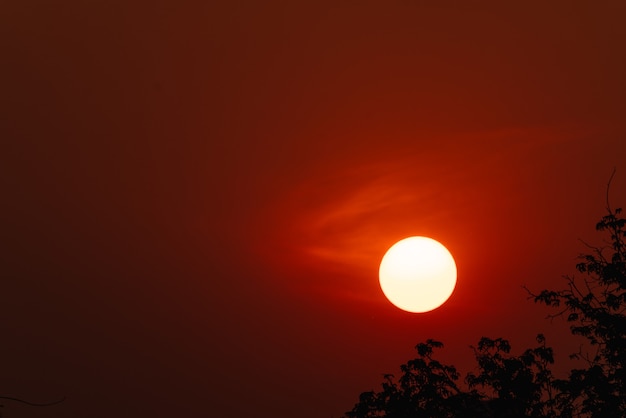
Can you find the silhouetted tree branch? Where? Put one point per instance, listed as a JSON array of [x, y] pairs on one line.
[[32, 403]]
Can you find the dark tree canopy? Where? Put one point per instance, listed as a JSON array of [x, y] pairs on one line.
[[507, 385], [504, 386], [595, 304]]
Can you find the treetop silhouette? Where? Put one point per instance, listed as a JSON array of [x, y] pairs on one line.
[[506, 385]]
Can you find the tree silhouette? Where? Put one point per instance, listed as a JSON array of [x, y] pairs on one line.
[[505, 385], [521, 385], [595, 305], [426, 388]]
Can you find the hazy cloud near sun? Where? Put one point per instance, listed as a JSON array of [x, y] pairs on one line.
[[346, 217]]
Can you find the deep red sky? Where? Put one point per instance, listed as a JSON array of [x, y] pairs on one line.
[[196, 197]]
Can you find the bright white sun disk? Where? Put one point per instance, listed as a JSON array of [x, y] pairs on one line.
[[417, 274]]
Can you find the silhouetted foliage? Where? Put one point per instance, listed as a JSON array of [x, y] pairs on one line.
[[505, 385], [595, 305], [426, 388]]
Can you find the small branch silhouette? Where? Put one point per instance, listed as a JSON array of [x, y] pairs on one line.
[[32, 403]]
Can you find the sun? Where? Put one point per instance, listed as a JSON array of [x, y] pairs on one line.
[[417, 274]]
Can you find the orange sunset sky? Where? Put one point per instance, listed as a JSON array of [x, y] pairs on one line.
[[196, 195]]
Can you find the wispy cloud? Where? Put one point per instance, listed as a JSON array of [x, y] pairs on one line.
[[343, 219]]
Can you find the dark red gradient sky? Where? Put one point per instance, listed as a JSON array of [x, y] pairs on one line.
[[196, 195]]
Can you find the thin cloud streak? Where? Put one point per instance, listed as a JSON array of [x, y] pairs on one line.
[[346, 218]]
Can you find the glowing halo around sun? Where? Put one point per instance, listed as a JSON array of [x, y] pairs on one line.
[[417, 274]]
